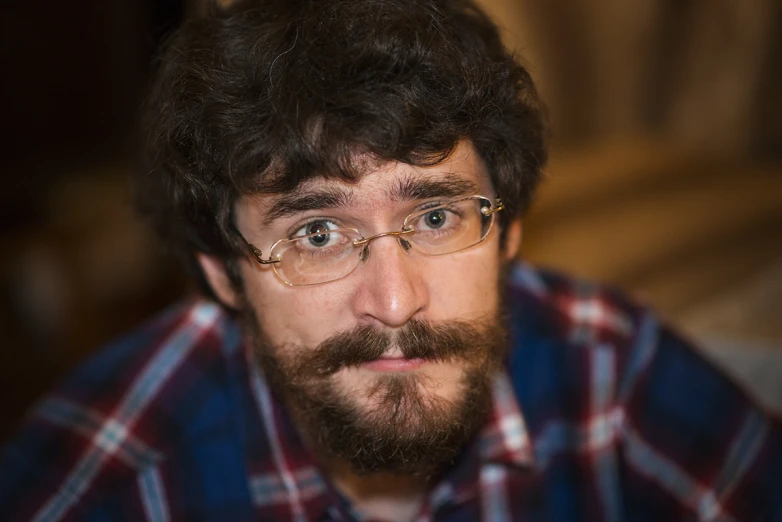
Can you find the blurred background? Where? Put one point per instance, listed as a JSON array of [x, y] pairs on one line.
[[665, 176]]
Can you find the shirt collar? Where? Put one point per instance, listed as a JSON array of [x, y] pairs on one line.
[[287, 476], [504, 439]]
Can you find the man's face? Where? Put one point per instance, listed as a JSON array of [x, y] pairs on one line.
[[397, 302]]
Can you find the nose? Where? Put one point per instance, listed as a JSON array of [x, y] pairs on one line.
[[391, 286]]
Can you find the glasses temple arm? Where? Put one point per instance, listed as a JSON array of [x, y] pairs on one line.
[[256, 253], [498, 205]]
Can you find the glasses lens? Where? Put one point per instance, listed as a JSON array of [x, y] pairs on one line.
[[316, 258], [448, 228]]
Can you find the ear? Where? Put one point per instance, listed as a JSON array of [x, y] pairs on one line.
[[513, 239], [217, 277]]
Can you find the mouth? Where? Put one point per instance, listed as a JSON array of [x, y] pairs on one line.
[[393, 364]]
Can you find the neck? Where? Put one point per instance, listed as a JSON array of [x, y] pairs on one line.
[[380, 496]]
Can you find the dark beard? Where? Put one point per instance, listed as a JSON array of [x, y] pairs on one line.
[[407, 431]]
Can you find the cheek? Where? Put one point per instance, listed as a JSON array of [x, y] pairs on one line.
[[298, 316], [464, 285]]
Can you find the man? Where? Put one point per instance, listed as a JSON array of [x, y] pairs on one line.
[[347, 179]]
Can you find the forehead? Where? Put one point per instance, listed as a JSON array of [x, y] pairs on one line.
[[462, 173]]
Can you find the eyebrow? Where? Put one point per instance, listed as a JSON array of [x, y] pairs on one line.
[[304, 199], [405, 189], [410, 188]]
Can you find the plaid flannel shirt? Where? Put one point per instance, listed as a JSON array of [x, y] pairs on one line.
[[601, 414]]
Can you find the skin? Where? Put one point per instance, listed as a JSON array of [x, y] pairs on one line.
[[387, 290]]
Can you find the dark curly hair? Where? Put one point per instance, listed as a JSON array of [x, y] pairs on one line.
[[265, 94]]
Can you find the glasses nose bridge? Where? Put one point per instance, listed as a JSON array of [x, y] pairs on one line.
[[364, 243]]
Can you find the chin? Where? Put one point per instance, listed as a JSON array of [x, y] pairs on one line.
[[399, 423]]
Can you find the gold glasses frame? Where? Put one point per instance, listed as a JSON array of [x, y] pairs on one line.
[[407, 229]]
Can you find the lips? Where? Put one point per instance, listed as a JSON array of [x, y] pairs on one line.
[[394, 364]]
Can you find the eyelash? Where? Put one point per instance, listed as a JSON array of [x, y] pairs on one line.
[[295, 228], [428, 204]]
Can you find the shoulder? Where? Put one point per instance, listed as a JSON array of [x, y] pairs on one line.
[[570, 310], [597, 374], [574, 342], [119, 412]]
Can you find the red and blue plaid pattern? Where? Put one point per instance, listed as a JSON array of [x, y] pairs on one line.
[[601, 414]]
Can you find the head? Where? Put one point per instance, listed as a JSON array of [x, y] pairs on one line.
[[274, 119]]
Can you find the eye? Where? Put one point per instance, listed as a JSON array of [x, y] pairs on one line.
[[318, 231], [435, 219]]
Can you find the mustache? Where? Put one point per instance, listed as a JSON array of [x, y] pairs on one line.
[[417, 340]]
